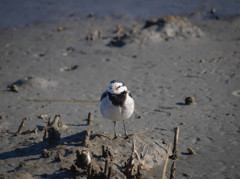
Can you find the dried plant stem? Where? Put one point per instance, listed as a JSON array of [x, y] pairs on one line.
[[55, 121], [106, 168], [20, 129], [139, 172], [173, 168], [99, 34], [86, 137], [90, 118], [109, 173], [104, 153], [175, 147], [90, 171], [166, 162]]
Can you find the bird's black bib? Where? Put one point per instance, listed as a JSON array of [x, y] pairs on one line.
[[118, 99]]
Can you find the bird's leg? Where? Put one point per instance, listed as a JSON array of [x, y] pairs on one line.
[[126, 134], [115, 134]]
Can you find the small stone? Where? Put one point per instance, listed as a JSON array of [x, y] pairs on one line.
[[213, 11], [91, 15], [202, 60], [190, 151], [14, 88], [43, 116], [41, 54], [70, 49], [72, 15], [45, 153], [64, 54], [181, 123], [236, 93], [165, 142], [186, 175], [189, 100], [59, 29]]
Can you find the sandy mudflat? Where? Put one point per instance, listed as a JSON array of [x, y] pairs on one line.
[[57, 68]]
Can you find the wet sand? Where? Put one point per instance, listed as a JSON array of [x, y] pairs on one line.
[[64, 67]]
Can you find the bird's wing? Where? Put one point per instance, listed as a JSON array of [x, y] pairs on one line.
[[104, 95]]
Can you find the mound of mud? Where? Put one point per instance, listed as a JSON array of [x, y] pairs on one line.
[[31, 82], [98, 155], [157, 30], [170, 26]]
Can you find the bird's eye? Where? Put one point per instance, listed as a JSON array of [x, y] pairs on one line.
[[119, 87]]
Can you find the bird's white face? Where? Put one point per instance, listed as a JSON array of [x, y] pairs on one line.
[[116, 87]]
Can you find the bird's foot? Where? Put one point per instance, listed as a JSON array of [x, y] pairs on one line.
[[115, 137], [126, 135]]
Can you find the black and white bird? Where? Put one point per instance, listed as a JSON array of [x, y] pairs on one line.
[[117, 104]]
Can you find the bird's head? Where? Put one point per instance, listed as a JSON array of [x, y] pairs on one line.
[[116, 87]]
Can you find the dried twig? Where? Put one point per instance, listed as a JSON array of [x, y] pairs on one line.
[[55, 122], [90, 118], [166, 162], [86, 137], [106, 168], [109, 173], [173, 169], [119, 29], [20, 129], [90, 171], [174, 151], [190, 151], [129, 165], [92, 37], [99, 34], [106, 152], [139, 172]]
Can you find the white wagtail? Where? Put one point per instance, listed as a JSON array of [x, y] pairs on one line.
[[117, 104]]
